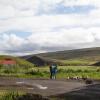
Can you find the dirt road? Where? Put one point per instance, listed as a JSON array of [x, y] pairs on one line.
[[40, 86]]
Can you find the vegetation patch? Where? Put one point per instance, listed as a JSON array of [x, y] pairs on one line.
[[18, 96]]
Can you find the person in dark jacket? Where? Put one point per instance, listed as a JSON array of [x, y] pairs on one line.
[[53, 71]]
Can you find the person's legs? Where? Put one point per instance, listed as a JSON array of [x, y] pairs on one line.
[[54, 76], [50, 75]]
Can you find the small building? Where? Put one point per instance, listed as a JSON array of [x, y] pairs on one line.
[[8, 62]]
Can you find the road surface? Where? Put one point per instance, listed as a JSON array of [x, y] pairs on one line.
[[40, 86]]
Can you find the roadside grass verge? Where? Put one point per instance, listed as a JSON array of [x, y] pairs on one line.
[[10, 95], [18, 95]]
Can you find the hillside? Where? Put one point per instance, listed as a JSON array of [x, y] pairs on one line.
[[73, 54], [40, 61], [86, 56]]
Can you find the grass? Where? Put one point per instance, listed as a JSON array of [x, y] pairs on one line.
[[24, 69], [71, 71], [18, 95], [43, 72], [10, 95], [75, 62]]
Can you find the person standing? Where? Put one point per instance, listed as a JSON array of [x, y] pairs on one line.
[[53, 71], [50, 67]]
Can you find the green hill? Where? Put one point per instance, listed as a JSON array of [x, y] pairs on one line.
[[40, 61], [73, 54], [86, 56]]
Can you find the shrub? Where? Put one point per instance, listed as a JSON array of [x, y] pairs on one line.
[[79, 70], [66, 71], [98, 70], [7, 71], [87, 71], [70, 71], [10, 96], [10, 70], [31, 97], [32, 72], [88, 81], [28, 96]]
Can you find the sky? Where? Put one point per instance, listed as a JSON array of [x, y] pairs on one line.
[[37, 26]]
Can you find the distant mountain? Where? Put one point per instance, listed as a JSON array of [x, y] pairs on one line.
[[86, 56], [73, 54]]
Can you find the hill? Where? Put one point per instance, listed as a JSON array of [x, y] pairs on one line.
[[87, 53], [86, 56], [40, 61]]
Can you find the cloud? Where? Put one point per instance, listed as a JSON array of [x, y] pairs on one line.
[[63, 37], [10, 41], [20, 8], [42, 42], [6, 12], [52, 25], [45, 22]]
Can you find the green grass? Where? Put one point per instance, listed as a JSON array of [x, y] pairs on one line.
[[71, 71], [43, 72], [10, 95], [75, 62]]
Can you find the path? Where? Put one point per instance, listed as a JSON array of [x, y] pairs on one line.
[[43, 87]]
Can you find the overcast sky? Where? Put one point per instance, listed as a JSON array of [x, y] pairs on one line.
[[35, 26]]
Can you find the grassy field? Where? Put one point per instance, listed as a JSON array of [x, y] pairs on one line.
[[77, 63], [43, 72], [72, 71]]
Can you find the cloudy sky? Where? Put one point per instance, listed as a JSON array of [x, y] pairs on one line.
[[34, 26]]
